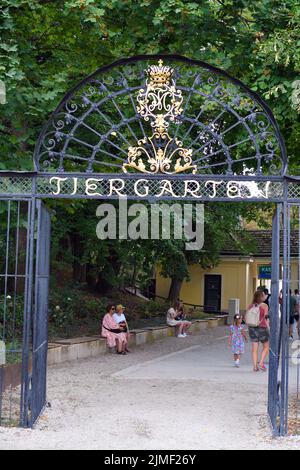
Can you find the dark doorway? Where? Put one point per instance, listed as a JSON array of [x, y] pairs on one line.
[[212, 293]]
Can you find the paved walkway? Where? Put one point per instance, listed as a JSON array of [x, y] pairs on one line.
[[174, 394]]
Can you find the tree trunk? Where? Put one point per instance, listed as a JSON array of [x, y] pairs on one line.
[[175, 288], [79, 272]]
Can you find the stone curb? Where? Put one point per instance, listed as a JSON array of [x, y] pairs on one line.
[[81, 348]]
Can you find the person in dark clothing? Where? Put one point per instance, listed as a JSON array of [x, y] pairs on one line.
[[268, 295]]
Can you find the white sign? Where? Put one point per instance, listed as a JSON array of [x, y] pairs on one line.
[[174, 188]]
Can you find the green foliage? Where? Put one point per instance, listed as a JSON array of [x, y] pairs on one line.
[[153, 309], [296, 95], [69, 305], [11, 317], [13, 352], [61, 315], [46, 47]]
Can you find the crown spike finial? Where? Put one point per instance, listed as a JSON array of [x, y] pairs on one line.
[[160, 74]]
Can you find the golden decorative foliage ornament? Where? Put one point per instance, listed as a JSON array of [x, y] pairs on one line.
[[160, 103]]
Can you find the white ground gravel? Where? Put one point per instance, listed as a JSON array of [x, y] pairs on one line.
[[171, 395]]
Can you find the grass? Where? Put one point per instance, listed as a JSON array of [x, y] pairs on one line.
[[14, 352]]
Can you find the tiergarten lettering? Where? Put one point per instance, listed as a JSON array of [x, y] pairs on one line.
[[158, 188]]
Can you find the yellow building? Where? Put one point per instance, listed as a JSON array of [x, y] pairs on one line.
[[236, 276]]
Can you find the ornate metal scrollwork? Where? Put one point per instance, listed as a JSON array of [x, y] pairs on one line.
[[160, 102], [181, 117]]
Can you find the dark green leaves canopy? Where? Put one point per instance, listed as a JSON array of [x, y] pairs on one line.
[[47, 46]]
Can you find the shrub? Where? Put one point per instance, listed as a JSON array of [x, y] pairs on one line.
[[153, 309], [14, 352], [11, 316], [90, 307], [69, 305]]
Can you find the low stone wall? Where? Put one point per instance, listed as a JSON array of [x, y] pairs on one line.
[[80, 348], [67, 350], [74, 349]]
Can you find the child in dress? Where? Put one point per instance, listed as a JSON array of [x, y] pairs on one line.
[[237, 339]]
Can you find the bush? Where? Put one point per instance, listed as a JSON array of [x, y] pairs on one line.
[[14, 352], [11, 316], [68, 305], [91, 307], [153, 309]]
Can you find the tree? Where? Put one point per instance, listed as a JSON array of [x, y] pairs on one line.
[[47, 47]]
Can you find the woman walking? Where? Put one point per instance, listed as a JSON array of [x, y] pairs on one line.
[[260, 333]]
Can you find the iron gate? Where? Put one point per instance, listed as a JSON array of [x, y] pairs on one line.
[[284, 371], [276, 395], [146, 130], [273, 396], [35, 385], [290, 330], [24, 278]]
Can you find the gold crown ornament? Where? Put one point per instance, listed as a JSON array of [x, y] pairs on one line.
[[160, 103], [159, 74]]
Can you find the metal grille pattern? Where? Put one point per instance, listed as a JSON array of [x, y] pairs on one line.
[[229, 128], [133, 187], [16, 185], [161, 188], [14, 305], [24, 247], [293, 191]]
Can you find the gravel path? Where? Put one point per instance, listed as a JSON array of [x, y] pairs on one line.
[[173, 394]]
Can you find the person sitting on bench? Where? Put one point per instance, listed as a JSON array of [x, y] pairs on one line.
[[120, 319], [173, 315], [114, 333]]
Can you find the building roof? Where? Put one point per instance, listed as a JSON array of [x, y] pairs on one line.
[[259, 244]]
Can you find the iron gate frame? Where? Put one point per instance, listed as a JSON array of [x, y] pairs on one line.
[[34, 187], [34, 352]]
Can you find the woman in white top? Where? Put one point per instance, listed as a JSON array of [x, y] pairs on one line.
[[120, 319], [172, 319]]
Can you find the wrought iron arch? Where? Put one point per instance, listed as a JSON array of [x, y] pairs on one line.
[[161, 114], [153, 115]]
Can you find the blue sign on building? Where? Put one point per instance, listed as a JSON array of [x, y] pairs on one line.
[[265, 272]]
